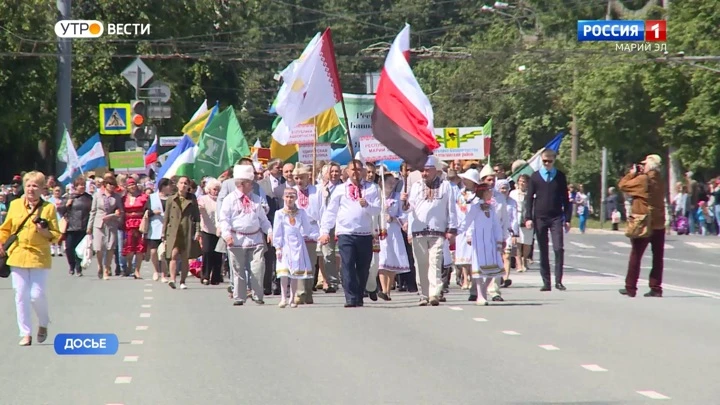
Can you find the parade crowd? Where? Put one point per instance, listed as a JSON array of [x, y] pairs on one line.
[[287, 230]]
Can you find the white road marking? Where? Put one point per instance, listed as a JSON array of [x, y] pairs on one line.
[[146, 305], [584, 257], [123, 380], [653, 395], [549, 348], [582, 245], [511, 333], [145, 315], [593, 367], [479, 319], [148, 290], [143, 327], [669, 246], [131, 359], [455, 308], [148, 285], [621, 244], [136, 342], [148, 298]]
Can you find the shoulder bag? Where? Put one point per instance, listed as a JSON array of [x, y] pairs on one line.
[[638, 225], [4, 268]]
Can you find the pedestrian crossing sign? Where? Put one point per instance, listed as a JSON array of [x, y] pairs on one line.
[[114, 119]]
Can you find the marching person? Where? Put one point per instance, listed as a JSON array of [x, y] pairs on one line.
[[502, 187], [350, 211], [393, 257], [432, 221], [35, 224], [243, 221], [308, 200], [483, 232], [181, 231], [329, 265], [104, 222], [525, 235], [465, 199], [76, 211], [647, 188], [548, 209], [291, 230]]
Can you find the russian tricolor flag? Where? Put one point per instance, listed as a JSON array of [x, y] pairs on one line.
[[151, 156]]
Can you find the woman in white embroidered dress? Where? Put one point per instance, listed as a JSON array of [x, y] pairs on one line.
[[290, 229], [465, 199], [484, 233], [393, 255], [525, 236]]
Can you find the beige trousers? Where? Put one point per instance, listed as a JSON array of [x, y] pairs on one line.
[[305, 287], [330, 272], [428, 254], [244, 258]]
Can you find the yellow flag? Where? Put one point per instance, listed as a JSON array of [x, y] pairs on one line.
[[194, 128]]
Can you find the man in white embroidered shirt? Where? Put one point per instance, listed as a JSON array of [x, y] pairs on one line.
[[350, 210], [243, 223], [432, 220]]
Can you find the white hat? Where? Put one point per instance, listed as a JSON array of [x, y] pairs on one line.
[[472, 175], [487, 170], [243, 172], [301, 169], [431, 162]]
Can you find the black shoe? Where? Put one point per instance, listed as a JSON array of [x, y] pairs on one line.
[[350, 305], [373, 296], [624, 291], [79, 273], [653, 293], [545, 288], [330, 290], [71, 272], [507, 283], [267, 291], [442, 298], [384, 296], [238, 303], [277, 292], [498, 298], [472, 298], [560, 287], [402, 289]]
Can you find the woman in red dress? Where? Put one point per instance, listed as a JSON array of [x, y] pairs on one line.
[[136, 203]]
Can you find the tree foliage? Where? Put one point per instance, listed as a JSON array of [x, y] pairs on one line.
[[467, 60]]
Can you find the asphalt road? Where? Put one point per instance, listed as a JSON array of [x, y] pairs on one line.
[[587, 345]]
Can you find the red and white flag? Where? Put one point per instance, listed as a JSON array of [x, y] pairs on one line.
[[313, 85], [403, 117]]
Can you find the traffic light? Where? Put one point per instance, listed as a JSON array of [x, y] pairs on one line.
[[139, 119]]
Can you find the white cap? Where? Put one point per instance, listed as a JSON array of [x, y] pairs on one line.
[[431, 162], [243, 172], [487, 170], [472, 175]]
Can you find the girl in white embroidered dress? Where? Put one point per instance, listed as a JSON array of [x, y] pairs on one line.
[[290, 229], [465, 200], [393, 255], [484, 233]]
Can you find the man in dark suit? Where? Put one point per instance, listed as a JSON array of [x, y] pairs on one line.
[[549, 208], [274, 186]]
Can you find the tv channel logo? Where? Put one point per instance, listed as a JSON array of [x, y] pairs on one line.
[[79, 29], [622, 31], [86, 344]]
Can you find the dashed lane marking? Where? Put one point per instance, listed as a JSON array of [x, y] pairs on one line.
[[148, 285], [480, 320], [136, 342], [123, 380], [583, 257], [145, 315], [549, 348], [142, 327], [146, 305], [148, 298], [147, 290], [455, 308], [621, 244], [593, 367], [582, 245], [653, 395], [131, 359], [511, 333]]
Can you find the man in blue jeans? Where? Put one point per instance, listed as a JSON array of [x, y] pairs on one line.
[[350, 210]]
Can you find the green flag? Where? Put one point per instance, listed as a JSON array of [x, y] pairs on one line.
[[222, 144], [62, 153]]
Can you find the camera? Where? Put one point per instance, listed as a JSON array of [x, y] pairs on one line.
[[639, 168], [42, 222]]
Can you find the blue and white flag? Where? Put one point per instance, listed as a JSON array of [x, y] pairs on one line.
[[91, 155]]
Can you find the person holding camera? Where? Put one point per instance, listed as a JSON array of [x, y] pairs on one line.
[[645, 185], [30, 227]]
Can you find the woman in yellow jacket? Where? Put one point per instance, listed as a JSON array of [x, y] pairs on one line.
[[29, 257]]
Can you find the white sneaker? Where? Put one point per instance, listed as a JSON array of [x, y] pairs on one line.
[[282, 304], [164, 280], [156, 276], [183, 287]]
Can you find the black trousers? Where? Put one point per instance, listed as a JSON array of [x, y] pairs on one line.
[[269, 279], [212, 260], [408, 280], [72, 239], [555, 227], [356, 255]]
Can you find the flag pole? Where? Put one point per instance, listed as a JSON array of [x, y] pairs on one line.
[[314, 159]]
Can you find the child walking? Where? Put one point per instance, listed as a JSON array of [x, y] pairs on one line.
[[290, 230]]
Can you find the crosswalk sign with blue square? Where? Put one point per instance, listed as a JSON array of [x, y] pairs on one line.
[[115, 119]]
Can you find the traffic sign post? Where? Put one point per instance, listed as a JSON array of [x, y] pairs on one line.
[[114, 119], [137, 74], [158, 92]]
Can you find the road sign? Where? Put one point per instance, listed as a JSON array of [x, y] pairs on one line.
[[159, 111], [114, 119], [159, 92], [130, 73], [170, 140], [130, 145]]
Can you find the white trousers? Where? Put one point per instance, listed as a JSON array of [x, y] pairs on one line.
[[30, 286], [428, 253], [371, 285]]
